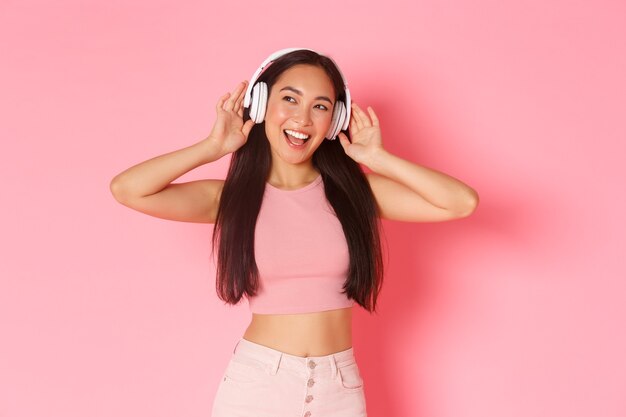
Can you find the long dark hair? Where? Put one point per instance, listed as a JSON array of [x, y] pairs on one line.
[[346, 188]]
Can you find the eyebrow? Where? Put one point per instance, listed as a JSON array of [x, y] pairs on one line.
[[295, 90]]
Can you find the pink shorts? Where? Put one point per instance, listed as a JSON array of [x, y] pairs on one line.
[[263, 382]]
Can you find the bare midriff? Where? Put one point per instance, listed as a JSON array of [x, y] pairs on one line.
[[306, 334]]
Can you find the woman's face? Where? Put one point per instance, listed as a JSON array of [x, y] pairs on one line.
[[300, 105]]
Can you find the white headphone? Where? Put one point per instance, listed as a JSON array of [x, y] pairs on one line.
[[257, 94]]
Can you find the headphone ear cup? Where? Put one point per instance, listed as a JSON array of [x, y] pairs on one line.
[[258, 102], [339, 118]]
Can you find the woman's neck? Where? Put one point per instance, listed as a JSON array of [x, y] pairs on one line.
[[292, 177]]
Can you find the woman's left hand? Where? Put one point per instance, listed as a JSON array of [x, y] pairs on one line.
[[365, 134]]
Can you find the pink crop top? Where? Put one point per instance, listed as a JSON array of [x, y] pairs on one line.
[[301, 253]]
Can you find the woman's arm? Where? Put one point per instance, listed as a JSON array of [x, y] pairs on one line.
[[147, 187], [404, 190]]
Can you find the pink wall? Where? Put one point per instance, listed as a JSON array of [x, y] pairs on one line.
[[516, 311]]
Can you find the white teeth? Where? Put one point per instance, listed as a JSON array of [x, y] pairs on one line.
[[297, 134]]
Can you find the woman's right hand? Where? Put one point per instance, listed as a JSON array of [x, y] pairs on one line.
[[229, 132]]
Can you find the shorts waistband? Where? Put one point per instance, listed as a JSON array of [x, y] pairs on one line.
[[275, 359]]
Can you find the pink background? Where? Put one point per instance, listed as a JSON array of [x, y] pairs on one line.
[[516, 311]]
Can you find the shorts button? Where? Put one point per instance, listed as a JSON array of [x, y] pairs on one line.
[[307, 414], [310, 382], [308, 398], [312, 365]]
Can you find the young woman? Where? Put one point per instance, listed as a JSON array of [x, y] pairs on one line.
[[296, 227]]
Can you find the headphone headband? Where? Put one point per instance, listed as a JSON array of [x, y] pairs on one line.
[[274, 56]]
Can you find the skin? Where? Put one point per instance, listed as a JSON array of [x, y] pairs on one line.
[[297, 102], [403, 190], [306, 334]]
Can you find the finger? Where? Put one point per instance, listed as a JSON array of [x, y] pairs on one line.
[[241, 95], [237, 105], [353, 127], [247, 127], [230, 103], [370, 110], [357, 117], [220, 102], [364, 118], [365, 121], [344, 141]]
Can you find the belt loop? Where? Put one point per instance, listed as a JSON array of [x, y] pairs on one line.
[[276, 363], [333, 367]]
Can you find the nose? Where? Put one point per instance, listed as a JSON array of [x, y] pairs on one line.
[[302, 116]]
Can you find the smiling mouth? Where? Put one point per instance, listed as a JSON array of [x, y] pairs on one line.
[[296, 141]]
